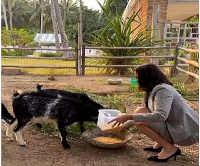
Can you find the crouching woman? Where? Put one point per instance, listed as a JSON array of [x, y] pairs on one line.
[[166, 117]]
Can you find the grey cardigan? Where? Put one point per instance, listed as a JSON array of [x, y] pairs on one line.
[[167, 105]]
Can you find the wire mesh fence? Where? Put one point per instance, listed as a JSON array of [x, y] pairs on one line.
[[45, 63]]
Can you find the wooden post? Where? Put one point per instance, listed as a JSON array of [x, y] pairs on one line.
[[80, 37], [76, 60], [175, 71], [83, 59]]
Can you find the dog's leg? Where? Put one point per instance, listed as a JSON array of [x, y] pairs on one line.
[[18, 134], [9, 130], [63, 134]]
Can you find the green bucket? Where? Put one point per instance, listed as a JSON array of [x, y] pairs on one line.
[[134, 81]]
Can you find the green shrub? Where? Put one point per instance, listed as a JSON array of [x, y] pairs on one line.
[[134, 89], [13, 53], [15, 37], [47, 54], [73, 130]]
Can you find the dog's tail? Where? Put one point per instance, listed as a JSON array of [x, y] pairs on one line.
[[17, 93], [39, 87], [5, 115]]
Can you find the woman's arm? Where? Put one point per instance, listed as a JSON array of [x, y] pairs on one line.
[[121, 119], [162, 101]]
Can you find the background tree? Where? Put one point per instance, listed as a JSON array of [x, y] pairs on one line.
[[10, 13], [26, 14], [115, 6], [55, 28], [4, 13]]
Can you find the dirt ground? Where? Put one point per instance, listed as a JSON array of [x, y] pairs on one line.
[[43, 150]]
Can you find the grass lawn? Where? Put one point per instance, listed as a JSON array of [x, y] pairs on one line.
[[47, 63]]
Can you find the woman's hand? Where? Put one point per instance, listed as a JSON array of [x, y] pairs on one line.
[[121, 119]]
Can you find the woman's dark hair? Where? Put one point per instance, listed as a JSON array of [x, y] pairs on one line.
[[149, 76]]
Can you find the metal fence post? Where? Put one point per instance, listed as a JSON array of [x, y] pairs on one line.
[[83, 59]]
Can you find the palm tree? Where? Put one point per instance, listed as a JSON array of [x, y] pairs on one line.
[[68, 6], [21, 13], [4, 13], [63, 35], [41, 9], [10, 13], [42, 16], [55, 28]]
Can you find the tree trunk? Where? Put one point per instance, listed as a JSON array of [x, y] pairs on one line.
[[65, 7], [4, 13], [55, 27], [42, 16], [10, 14], [64, 39]]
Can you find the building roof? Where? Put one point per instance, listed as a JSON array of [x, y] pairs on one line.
[[46, 38], [179, 10]]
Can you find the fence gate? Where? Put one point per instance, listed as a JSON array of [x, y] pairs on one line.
[[181, 32]]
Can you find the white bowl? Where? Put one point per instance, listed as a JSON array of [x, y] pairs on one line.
[[114, 81]]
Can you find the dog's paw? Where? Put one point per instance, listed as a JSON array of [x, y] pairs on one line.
[[9, 135], [10, 138], [66, 145], [22, 143], [20, 139]]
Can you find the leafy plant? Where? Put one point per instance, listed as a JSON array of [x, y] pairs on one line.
[[181, 87], [73, 130], [135, 91], [15, 37], [118, 33], [47, 129]]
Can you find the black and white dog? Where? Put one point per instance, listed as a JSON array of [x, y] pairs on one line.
[[50, 107], [82, 97]]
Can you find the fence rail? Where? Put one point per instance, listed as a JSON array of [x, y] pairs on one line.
[[37, 48], [51, 58], [189, 62], [129, 57], [128, 48], [37, 66], [130, 66]]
